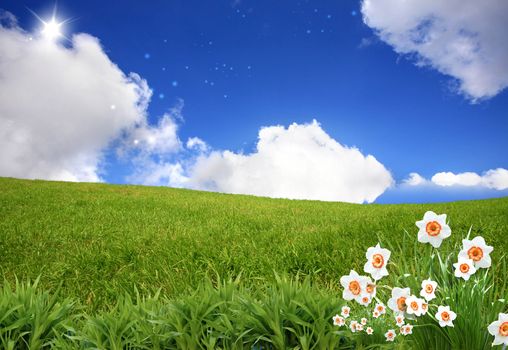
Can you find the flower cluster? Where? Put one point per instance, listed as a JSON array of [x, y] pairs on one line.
[[433, 229]]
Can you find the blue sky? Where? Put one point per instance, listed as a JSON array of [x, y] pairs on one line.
[[241, 65]]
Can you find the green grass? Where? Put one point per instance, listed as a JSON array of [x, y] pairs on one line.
[[97, 241]]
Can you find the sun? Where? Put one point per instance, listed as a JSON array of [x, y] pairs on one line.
[[51, 29]]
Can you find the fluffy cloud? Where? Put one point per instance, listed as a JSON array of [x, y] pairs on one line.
[[494, 179], [298, 162], [465, 39], [60, 107]]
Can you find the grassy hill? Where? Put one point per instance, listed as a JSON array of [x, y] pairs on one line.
[[98, 240]]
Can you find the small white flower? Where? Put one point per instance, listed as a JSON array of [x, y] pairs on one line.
[[338, 321], [380, 308], [478, 251], [433, 229], [397, 302], [408, 329], [345, 311], [364, 299], [352, 326], [428, 289], [414, 305], [464, 268], [377, 258], [390, 335], [399, 320], [375, 314], [369, 330], [425, 307], [402, 330], [359, 327], [445, 316], [499, 329]]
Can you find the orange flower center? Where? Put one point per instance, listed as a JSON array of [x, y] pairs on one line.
[[378, 261], [475, 253], [464, 268], [371, 288], [414, 305], [424, 307], [401, 303], [354, 287], [380, 308], [365, 300], [429, 289], [445, 316], [503, 329], [433, 228]]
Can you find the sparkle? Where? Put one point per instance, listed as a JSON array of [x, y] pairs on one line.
[[51, 29], [174, 83], [329, 16], [353, 13], [147, 56], [113, 107], [161, 96], [308, 31]]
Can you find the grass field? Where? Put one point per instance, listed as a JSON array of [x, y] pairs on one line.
[[99, 240]]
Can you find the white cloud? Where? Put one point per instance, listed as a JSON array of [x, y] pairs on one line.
[[195, 143], [494, 179], [414, 179], [61, 106], [465, 39], [298, 162]]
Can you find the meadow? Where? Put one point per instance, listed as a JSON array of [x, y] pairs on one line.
[[102, 245]]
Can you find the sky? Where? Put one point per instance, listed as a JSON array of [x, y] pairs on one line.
[[386, 101]]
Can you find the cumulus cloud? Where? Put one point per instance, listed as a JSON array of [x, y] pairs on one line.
[[61, 106], [465, 39], [298, 162], [496, 179]]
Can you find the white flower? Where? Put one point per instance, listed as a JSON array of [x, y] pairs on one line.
[[390, 335], [414, 305], [359, 327], [377, 258], [433, 229], [338, 321], [364, 299], [369, 330], [406, 329], [478, 251], [428, 289], [345, 311], [425, 307], [375, 314], [445, 316], [499, 329], [464, 268], [398, 300], [363, 321], [380, 308], [354, 285], [352, 326], [399, 320]]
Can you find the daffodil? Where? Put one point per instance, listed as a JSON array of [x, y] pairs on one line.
[[445, 316], [363, 321], [375, 314], [406, 329], [345, 311], [433, 229], [353, 284], [478, 251], [428, 289], [377, 258], [399, 320], [390, 335], [359, 327], [338, 321], [397, 302], [464, 268], [369, 330], [364, 299], [499, 329], [414, 305], [352, 326], [380, 308]]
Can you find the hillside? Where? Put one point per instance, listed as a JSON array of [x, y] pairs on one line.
[[98, 240]]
